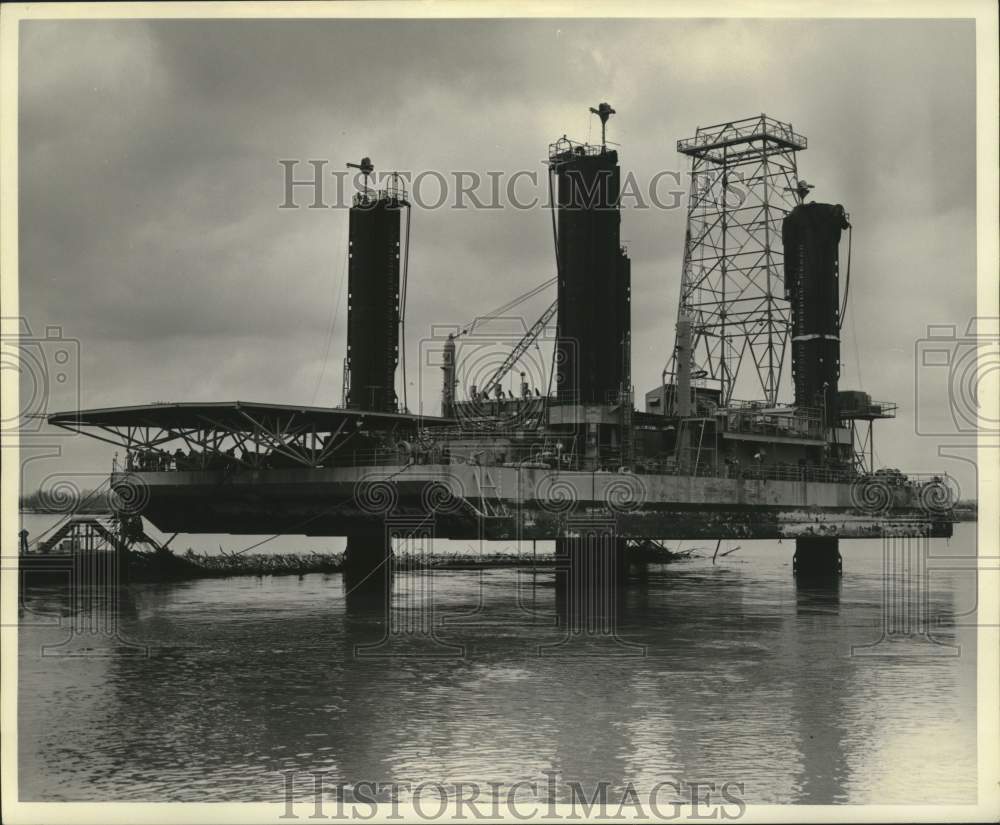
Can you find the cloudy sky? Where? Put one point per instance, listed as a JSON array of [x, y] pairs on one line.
[[150, 185]]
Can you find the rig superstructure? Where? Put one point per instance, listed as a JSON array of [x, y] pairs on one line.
[[574, 461]]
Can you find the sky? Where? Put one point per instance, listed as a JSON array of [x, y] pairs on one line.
[[150, 190]]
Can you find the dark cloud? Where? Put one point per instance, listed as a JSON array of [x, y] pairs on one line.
[[150, 183]]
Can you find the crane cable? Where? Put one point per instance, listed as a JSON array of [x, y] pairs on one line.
[[843, 308], [402, 304], [332, 327], [471, 325], [520, 299], [555, 243], [847, 283]]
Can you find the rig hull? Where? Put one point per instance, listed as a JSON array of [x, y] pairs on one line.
[[503, 503]]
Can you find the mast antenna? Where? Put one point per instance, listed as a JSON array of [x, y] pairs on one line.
[[366, 168], [603, 111]]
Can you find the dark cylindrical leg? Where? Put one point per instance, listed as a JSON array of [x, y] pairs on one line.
[[368, 567], [590, 573], [817, 557]]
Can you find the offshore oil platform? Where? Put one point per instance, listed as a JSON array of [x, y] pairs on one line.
[[577, 463]]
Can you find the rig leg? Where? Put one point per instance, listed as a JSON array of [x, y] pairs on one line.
[[368, 567], [590, 575], [817, 557]]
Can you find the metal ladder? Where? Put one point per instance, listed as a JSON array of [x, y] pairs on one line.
[[628, 432]]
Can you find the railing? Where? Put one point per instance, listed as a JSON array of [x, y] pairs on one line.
[[775, 425], [778, 472], [539, 455], [392, 192], [545, 456], [566, 149], [870, 409], [886, 408], [494, 407], [740, 131], [758, 418]]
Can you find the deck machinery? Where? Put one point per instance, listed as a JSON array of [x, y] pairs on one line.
[[577, 463]]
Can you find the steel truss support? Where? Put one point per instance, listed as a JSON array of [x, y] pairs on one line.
[[863, 441], [742, 176], [246, 444]]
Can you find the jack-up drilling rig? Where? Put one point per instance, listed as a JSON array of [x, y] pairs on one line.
[[576, 463]]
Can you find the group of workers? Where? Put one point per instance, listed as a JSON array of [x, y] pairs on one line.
[[475, 394], [161, 461], [148, 460]]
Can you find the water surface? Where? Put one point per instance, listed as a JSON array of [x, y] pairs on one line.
[[724, 672]]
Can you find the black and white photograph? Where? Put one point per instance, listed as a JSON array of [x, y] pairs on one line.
[[500, 412]]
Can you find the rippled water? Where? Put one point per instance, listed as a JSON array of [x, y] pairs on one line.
[[724, 672]]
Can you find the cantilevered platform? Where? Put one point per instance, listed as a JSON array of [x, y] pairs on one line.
[[245, 433], [231, 414]]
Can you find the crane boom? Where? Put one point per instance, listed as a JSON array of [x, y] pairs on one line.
[[520, 348]]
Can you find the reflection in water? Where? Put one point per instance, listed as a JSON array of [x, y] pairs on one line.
[[742, 675], [816, 710]]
